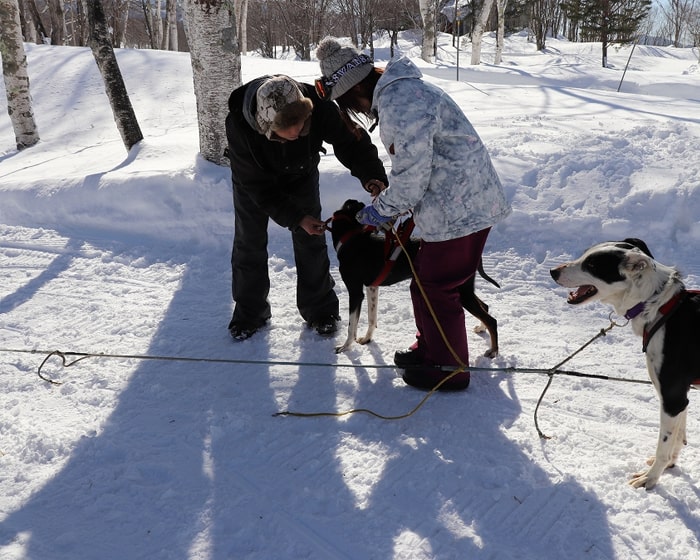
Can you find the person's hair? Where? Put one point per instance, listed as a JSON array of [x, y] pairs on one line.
[[349, 102]]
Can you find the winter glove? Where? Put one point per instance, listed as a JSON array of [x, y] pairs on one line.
[[369, 216]]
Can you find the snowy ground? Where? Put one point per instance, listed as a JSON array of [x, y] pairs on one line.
[[164, 458]]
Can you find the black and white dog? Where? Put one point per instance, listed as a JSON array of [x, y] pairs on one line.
[[667, 317], [361, 261]]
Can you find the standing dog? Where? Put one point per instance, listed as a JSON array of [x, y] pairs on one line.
[[667, 317], [361, 260]]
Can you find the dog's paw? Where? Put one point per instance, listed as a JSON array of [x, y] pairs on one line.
[[480, 328], [491, 353], [364, 340], [643, 480], [343, 348]]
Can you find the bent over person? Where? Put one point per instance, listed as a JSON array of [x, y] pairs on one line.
[[276, 128], [441, 171]]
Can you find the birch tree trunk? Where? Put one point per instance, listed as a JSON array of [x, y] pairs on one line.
[[216, 70], [157, 25], [478, 30], [427, 12], [38, 24], [106, 61], [119, 21], [14, 71], [58, 22], [27, 23], [500, 34], [241, 10], [170, 42]]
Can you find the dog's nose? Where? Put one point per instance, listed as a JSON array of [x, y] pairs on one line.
[[555, 272]]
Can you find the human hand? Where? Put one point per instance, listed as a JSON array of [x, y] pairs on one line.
[[370, 217], [312, 226], [374, 187]]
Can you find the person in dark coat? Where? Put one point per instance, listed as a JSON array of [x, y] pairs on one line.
[[276, 128]]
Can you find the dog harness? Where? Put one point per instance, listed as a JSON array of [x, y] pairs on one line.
[[665, 312], [394, 241], [392, 246]]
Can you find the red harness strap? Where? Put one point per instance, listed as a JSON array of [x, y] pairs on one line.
[[392, 247], [666, 310]]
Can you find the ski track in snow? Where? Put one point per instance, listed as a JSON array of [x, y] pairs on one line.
[[499, 473]]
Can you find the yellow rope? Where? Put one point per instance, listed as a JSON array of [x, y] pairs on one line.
[[461, 366]]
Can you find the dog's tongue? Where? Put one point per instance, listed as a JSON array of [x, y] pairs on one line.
[[581, 294]]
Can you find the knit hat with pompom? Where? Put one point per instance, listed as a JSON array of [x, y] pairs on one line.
[[343, 66], [280, 104]]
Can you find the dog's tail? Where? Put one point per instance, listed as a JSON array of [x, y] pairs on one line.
[[485, 276]]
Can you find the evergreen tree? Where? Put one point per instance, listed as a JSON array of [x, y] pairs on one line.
[[608, 21]]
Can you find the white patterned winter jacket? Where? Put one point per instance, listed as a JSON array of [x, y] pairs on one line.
[[440, 167]]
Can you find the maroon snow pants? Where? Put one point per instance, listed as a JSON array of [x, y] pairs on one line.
[[442, 267]]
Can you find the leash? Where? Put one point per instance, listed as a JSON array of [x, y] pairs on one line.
[[82, 355], [461, 366], [555, 370]]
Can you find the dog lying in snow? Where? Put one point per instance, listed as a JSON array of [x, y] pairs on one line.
[[361, 260], [667, 317]]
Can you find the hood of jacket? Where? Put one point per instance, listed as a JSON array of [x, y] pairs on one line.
[[399, 68], [250, 104]]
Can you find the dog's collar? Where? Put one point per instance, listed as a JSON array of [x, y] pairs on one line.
[[349, 235], [636, 310], [665, 312], [632, 312]]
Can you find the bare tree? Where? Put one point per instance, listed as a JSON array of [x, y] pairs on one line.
[[117, 14], [148, 23], [427, 12], [80, 29], [57, 15], [694, 29], [394, 16], [241, 10], [14, 71], [500, 34], [301, 22], [478, 31], [543, 14], [33, 13], [216, 69], [170, 38], [111, 74], [677, 14], [27, 22]]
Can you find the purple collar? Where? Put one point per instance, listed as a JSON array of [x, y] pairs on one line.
[[634, 311]]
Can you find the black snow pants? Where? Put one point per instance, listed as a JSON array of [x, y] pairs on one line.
[[315, 297]]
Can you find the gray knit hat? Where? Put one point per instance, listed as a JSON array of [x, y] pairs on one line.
[[343, 66], [280, 104]]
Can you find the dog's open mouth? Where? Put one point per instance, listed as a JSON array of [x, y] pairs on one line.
[[581, 294]]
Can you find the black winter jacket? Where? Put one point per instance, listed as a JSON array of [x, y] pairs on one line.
[[263, 167]]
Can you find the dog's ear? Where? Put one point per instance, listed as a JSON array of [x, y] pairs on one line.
[[639, 244], [349, 204], [636, 263]]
